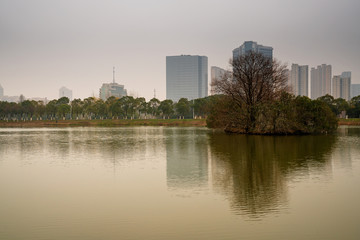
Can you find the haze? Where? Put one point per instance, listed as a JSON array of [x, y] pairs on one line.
[[45, 45]]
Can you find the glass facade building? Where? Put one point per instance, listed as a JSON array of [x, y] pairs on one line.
[[186, 77], [252, 46]]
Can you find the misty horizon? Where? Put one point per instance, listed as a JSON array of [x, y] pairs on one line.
[[46, 45]]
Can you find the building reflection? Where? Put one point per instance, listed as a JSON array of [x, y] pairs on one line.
[[252, 171], [186, 158]]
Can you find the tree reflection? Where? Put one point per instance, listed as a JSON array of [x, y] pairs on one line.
[[252, 171]]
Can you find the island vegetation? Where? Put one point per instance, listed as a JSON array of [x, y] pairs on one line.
[[254, 99]]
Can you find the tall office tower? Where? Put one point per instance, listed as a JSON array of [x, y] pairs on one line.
[[299, 80], [355, 90], [1, 92], [216, 74], [65, 92], [186, 77], [320, 81], [252, 46], [341, 86]]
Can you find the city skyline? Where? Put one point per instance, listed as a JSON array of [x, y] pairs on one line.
[[46, 45]]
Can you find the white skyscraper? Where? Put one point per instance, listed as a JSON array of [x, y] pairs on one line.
[[252, 46], [342, 85], [186, 77], [65, 92], [299, 80], [320, 81], [216, 74], [1, 92]]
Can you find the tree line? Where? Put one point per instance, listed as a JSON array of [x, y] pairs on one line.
[[91, 108]]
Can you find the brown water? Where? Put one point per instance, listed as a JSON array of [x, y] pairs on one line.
[[177, 183]]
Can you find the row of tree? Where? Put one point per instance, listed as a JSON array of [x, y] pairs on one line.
[[341, 107], [113, 108]]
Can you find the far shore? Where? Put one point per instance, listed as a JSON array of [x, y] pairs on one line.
[[350, 121], [106, 123], [128, 122]]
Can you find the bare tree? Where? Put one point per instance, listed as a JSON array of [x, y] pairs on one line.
[[255, 79]]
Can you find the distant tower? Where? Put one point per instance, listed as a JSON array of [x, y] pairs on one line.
[[341, 86], [113, 74], [1, 92], [320, 81], [252, 46], [216, 74], [112, 89], [65, 92], [299, 80]]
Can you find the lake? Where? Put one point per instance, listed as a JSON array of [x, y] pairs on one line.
[[177, 183]]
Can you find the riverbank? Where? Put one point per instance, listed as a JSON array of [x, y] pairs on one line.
[[107, 123], [128, 122], [350, 122]]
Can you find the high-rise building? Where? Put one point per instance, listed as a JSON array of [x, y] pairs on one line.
[[341, 86], [252, 46], [65, 92], [1, 92], [216, 74], [186, 77], [299, 80], [355, 90], [112, 89], [320, 81]]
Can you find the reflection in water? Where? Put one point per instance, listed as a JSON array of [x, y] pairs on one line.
[[129, 183], [186, 158], [252, 170]]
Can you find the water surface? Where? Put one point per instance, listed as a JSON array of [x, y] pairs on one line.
[[177, 183]]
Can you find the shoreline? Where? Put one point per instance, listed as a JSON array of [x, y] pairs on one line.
[[129, 122], [106, 123]]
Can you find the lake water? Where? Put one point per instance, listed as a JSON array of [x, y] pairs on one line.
[[177, 183]]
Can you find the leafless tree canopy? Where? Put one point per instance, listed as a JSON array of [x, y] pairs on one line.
[[255, 79]]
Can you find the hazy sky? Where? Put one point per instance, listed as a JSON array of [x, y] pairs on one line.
[[47, 44]]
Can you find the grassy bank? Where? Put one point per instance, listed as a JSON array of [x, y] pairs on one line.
[[107, 123], [128, 122], [350, 121]]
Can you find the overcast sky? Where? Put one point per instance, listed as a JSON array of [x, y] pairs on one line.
[[47, 44]]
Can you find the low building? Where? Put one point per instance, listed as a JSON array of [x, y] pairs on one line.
[[65, 92], [112, 89]]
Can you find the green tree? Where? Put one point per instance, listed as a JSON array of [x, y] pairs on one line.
[[354, 108], [166, 107], [183, 108], [153, 107], [76, 108]]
